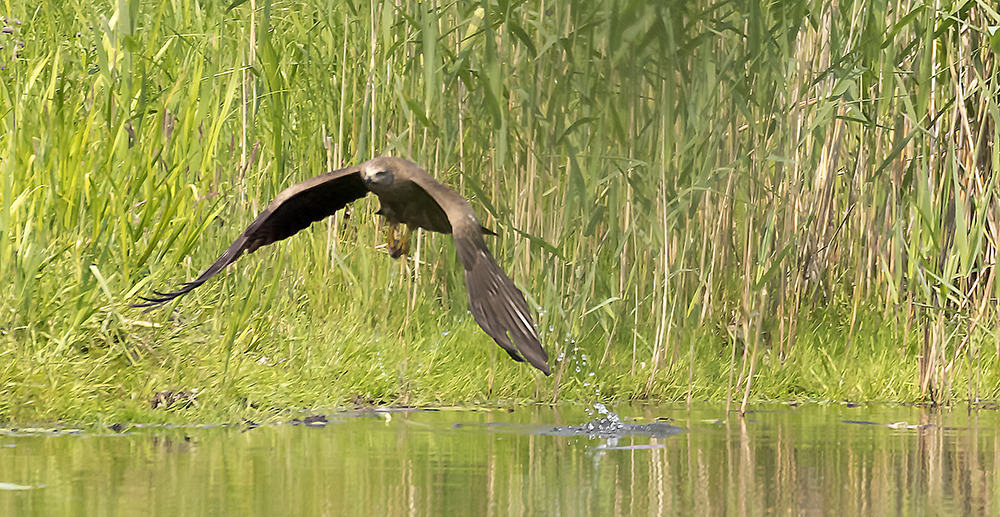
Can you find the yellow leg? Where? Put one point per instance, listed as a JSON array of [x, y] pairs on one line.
[[390, 237], [404, 243], [398, 246]]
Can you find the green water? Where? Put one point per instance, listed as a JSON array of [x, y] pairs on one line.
[[812, 459]]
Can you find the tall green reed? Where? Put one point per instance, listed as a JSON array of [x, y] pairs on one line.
[[661, 177]]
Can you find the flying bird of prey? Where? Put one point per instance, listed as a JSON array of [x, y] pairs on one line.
[[410, 196]]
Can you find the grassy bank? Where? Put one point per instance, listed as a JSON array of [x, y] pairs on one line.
[[800, 194]]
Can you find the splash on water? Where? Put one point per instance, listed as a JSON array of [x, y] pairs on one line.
[[608, 425]]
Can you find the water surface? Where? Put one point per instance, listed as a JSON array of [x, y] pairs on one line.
[[537, 460]]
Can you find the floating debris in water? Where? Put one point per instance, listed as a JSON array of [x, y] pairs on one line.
[[647, 446], [15, 486], [38, 431], [906, 425]]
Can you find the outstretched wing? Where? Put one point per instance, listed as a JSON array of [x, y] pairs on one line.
[[294, 209], [497, 304]]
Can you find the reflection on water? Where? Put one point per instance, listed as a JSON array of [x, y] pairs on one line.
[[811, 460]]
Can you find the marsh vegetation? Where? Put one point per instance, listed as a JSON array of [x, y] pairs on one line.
[[738, 200]]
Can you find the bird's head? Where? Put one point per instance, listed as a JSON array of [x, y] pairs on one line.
[[377, 173]]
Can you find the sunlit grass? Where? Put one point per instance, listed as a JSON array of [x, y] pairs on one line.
[[818, 180]]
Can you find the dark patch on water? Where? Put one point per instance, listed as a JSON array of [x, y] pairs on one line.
[[861, 422], [311, 420]]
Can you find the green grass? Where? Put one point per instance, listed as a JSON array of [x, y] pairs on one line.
[[820, 178]]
